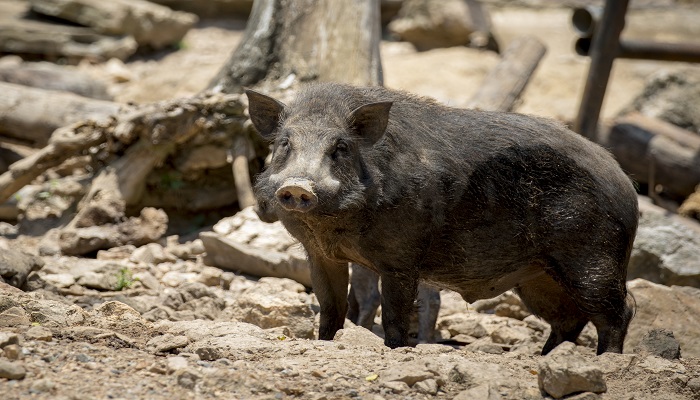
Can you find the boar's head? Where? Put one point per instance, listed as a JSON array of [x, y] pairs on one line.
[[317, 167]]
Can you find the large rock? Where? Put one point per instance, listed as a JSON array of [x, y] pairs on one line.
[[430, 24], [15, 266], [213, 340], [90, 273], [148, 227], [19, 308], [666, 248], [564, 372], [675, 308], [150, 24], [660, 343], [673, 97], [489, 381], [276, 303], [243, 243]]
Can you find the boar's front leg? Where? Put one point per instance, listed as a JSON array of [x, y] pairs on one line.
[[398, 294], [330, 284]]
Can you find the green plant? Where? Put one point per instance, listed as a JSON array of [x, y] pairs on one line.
[[172, 181], [125, 279]]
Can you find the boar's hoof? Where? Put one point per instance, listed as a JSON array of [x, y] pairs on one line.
[[297, 195]]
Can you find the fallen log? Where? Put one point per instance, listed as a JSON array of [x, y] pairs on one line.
[[50, 76], [152, 133], [148, 23], [68, 43], [506, 82], [655, 152], [66, 142], [29, 115], [148, 227]]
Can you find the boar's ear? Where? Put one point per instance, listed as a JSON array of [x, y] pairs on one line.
[[370, 120], [265, 112]]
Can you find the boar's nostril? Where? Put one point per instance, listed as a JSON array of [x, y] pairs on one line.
[[297, 195]]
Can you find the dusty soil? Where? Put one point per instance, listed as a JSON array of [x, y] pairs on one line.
[[84, 364]]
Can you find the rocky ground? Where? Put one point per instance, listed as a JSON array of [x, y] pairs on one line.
[[171, 320]]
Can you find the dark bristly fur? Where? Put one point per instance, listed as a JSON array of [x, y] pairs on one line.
[[472, 201]]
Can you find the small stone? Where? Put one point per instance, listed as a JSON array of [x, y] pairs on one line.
[[147, 279], [102, 280], [658, 365], [210, 276], [585, 396], [187, 378], [409, 372], [463, 338], [208, 353], [482, 391], [116, 70], [42, 386], [358, 336], [175, 278], [660, 343], [38, 333], [13, 317], [158, 368], [7, 338], [396, 386], [510, 335], [176, 363], [226, 279], [485, 347], [152, 253], [428, 386], [13, 352], [11, 370], [166, 342], [116, 253], [469, 326], [84, 358], [63, 280], [694, 385], [536, 323]]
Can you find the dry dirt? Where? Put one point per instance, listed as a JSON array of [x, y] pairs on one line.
[[112, 367]]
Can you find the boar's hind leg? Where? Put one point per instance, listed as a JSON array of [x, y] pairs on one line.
[[428, 309], [596, 285], [364, 297], [398, 294], [548, 300], [330, 284]]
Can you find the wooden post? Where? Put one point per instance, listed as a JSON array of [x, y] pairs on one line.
[[504, 84], [606, 41]]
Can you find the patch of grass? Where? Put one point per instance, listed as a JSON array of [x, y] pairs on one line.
[[125, 279]]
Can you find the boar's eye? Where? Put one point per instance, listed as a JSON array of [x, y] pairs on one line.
[[283, 142], [341, 147]]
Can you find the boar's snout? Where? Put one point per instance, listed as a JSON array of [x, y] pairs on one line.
[[297, 195]]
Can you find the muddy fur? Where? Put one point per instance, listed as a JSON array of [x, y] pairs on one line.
[[477, 202]]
